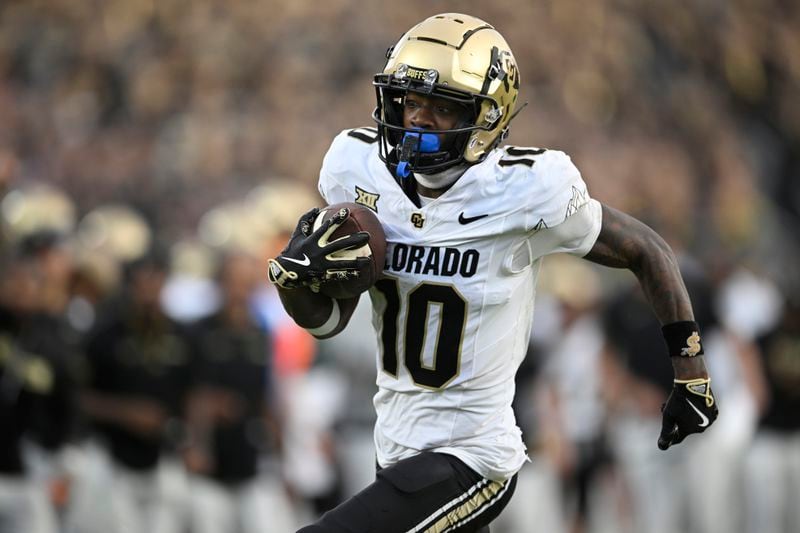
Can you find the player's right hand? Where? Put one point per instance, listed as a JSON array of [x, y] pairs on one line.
[[307, 260], [690, 408]]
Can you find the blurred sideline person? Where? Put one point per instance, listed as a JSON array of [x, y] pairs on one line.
[[138, 374], [572, 383], [467, 222], [637, 388], [39, 360], [733, 361], [772, 464], [233, 426], [52, 333], [27, 392], [308, 394], [565, 420]]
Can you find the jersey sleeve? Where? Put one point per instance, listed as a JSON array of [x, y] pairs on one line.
[[564, 218], [334, 172], [576, 235], [329, 188]]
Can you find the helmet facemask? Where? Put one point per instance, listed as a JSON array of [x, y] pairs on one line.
[[423, 151]]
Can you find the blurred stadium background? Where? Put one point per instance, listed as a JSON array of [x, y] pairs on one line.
[[154, 153]]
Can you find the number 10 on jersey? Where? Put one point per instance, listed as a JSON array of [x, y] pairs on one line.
[[448, 331]]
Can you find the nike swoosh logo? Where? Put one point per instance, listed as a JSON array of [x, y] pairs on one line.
[[467, 220], [305, 261], [703, 418]]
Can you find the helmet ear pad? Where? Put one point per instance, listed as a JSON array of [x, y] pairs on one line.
[[484, 140]]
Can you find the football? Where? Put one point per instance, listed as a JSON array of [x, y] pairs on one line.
[[361, 219]]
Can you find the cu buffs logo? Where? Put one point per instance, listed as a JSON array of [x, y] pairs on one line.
[[692, 345], [418, 219]]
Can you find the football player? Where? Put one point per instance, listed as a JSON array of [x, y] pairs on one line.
[[467, 222]]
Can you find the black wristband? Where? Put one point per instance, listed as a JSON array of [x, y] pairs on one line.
[[683, 339]]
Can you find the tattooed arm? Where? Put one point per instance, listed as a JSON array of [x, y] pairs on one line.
[[625, 242]]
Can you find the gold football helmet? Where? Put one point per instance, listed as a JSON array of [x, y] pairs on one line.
[[459, 58]]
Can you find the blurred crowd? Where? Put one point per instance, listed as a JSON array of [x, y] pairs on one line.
[[153, 154]]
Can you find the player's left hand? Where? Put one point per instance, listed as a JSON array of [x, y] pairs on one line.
[[690, 408]]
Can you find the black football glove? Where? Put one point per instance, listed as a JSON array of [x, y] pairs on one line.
[[309, 258], [690, 408]]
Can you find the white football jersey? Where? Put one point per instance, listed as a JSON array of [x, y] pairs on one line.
[[454, 309]]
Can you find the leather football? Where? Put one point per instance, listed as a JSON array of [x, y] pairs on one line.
[[361, 219]]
